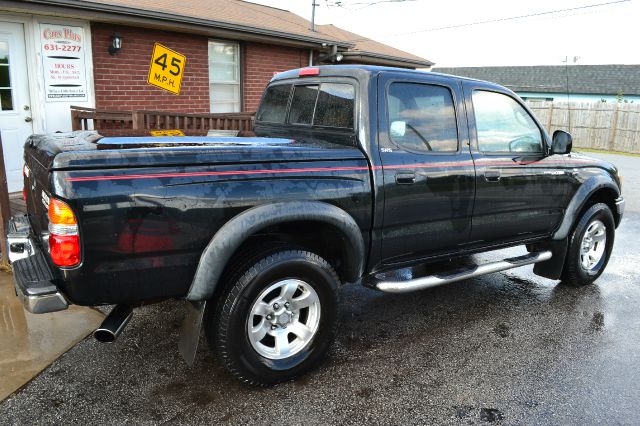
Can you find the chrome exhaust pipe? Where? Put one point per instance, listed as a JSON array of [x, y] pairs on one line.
[[113, 324]]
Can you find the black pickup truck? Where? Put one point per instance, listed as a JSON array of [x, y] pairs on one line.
[[355, 172]]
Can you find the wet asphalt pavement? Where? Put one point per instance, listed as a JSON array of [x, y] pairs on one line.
[[507, 348]]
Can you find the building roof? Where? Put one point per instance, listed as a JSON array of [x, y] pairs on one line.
[[580, 79], [244, 17], [371, 51], [237, 13]]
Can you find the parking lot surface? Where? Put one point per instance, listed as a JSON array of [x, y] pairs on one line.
[[29, 343], [506, 348]]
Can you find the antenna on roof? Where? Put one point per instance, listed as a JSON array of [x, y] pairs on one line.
[[566, 69], [313, 15]]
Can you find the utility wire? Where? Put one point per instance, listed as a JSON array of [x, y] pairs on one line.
[[371, 3], [340, 3], [510, 18]]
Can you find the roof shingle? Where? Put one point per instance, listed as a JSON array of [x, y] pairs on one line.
[[583, 79], [252, 17], [367, 47]]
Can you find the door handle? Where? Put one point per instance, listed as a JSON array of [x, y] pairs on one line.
[[492, 176], [405, 178], [28, 119]]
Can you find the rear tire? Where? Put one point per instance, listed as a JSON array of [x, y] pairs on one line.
[[276, 317], [590, 246]]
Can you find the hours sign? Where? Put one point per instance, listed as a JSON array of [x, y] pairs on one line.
[[63, 63], [166, 69]]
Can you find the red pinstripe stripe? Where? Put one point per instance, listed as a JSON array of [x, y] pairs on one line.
[[225, 173], [466, 163]]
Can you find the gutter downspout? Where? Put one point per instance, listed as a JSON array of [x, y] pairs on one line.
[[310, 57]]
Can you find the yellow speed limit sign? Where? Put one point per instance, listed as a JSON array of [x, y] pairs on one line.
[[176, 132], [167, 67]]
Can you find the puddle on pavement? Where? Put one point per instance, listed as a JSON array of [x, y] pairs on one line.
[[29, 343]]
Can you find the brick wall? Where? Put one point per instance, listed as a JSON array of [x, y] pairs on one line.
[[121, 80], [260, 62]]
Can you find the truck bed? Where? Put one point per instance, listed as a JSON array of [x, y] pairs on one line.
[[148, 207]]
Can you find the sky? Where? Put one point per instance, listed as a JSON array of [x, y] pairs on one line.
[[439, 30]]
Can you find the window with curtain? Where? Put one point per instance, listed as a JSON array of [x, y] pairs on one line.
[[224, 76]]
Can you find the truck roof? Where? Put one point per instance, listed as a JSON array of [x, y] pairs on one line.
[[352, 70]]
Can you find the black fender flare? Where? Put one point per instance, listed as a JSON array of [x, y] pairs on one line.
[[559, 243], [579, 199], [235, 232]]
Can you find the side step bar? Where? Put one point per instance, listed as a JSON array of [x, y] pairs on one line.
[[461, 274]]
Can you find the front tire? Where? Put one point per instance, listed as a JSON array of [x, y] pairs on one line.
[[590, 246], [277, 316]]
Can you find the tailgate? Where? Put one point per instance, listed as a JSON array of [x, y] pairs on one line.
[[39, 153]]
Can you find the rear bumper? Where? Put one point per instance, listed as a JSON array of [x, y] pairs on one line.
[[42, 303], [19, 240], [32, 276]]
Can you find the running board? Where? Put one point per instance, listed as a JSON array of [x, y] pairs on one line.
[[461, 274]]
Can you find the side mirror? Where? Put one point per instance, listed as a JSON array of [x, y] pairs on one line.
[[562, 142]]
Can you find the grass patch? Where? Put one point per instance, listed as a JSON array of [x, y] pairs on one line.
[[604, 151]]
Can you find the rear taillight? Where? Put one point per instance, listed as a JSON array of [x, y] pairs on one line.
[[25, 173], [64, 249], [64, 244]]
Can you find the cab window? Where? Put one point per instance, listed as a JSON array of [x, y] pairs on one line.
[[335, 106], [503, 125], [273, 108], [324, 105], [303, 104], [422, 117]]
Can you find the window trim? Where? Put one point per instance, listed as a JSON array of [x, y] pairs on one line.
[[455, 114], [543, 139]]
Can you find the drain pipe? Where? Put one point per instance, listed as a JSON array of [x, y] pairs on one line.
[[311, 57], [113, 324]]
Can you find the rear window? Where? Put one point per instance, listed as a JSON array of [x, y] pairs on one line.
[[302, 104], [322, 105], [273, 108], [335, 106]]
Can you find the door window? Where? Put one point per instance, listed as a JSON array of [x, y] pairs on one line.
[[422, 117], [503, 125], [224, 77], [6, 95]]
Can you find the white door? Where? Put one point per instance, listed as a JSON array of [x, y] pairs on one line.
[[15, 106]]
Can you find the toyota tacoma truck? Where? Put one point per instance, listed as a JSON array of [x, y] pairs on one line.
[[355, 172]]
